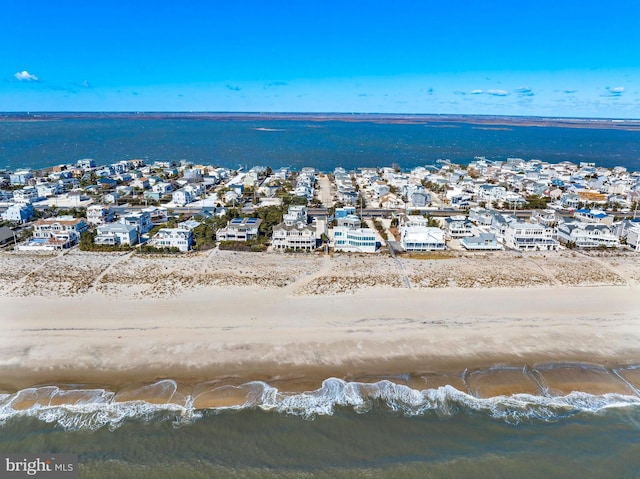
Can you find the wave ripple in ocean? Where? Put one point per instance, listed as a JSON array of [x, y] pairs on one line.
[[92, 409]]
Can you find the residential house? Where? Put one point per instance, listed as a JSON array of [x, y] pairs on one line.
[[116, 234], [240, 229], [481, 216], [158, 214], [141, 183], [586, 235], [546, 217], [523, 236], [593, 216], [140, 219], [7, 235], [57, 240], [45, 190], [481, 242], [162, 188], [86, 163], [45, 228], [458, 226], [570, 200], [28, 194], [344, 211], [391, 201], [633, 237], [19, 213], [349, 221], [99, 214], [421, 238], [111, 198], [296, 236], [21, 177], [172, 238], [360, 240]]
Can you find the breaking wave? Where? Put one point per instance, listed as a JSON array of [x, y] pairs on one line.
[[92, 409]]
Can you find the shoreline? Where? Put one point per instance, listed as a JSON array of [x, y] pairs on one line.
[[258, 335], [120, 320]]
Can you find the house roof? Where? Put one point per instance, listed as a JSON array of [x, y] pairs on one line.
[[6, 234]]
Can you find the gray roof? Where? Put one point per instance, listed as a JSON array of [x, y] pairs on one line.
[[6, 234]]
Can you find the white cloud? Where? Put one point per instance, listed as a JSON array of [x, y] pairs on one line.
[[615, 91], [25, 76], [497, 92], [477, 92]]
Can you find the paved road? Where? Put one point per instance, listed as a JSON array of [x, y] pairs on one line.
[[325, 191]]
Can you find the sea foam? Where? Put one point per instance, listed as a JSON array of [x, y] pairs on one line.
[[93, 409]]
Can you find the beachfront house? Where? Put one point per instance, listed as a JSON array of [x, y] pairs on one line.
[[458, 226], [633, 237], [294, 233], [47, 227], [481, 242], [116, 234], [360, 240], [57, 240], [523, 236], [415, 238], [172, 238], [294, 236], [586, 235], [240, 229]]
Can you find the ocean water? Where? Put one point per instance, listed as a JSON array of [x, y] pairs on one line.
[[342, 429], [297, 143]]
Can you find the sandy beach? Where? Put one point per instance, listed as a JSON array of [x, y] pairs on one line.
[[491, 324]]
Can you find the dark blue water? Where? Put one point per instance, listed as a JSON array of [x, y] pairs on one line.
[[343, 430], [297, 143]]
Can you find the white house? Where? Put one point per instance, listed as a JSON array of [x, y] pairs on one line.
[[45, 228], [182, 197], [240, 229], [116, 234], [110, 198], [140, 219], [422, 238], [99, 214], [593, 216], [587, 235], [523, 236], [297, 236], [458, 226], [20, 177], [481, 216], [172, 238], [633, 237], [162, 188], [360, 240], [18, 212], [57, 240]]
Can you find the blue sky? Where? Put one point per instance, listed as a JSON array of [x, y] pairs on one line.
[[549, 58]]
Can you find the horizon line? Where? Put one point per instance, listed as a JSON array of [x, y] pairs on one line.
[[321, 114]]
